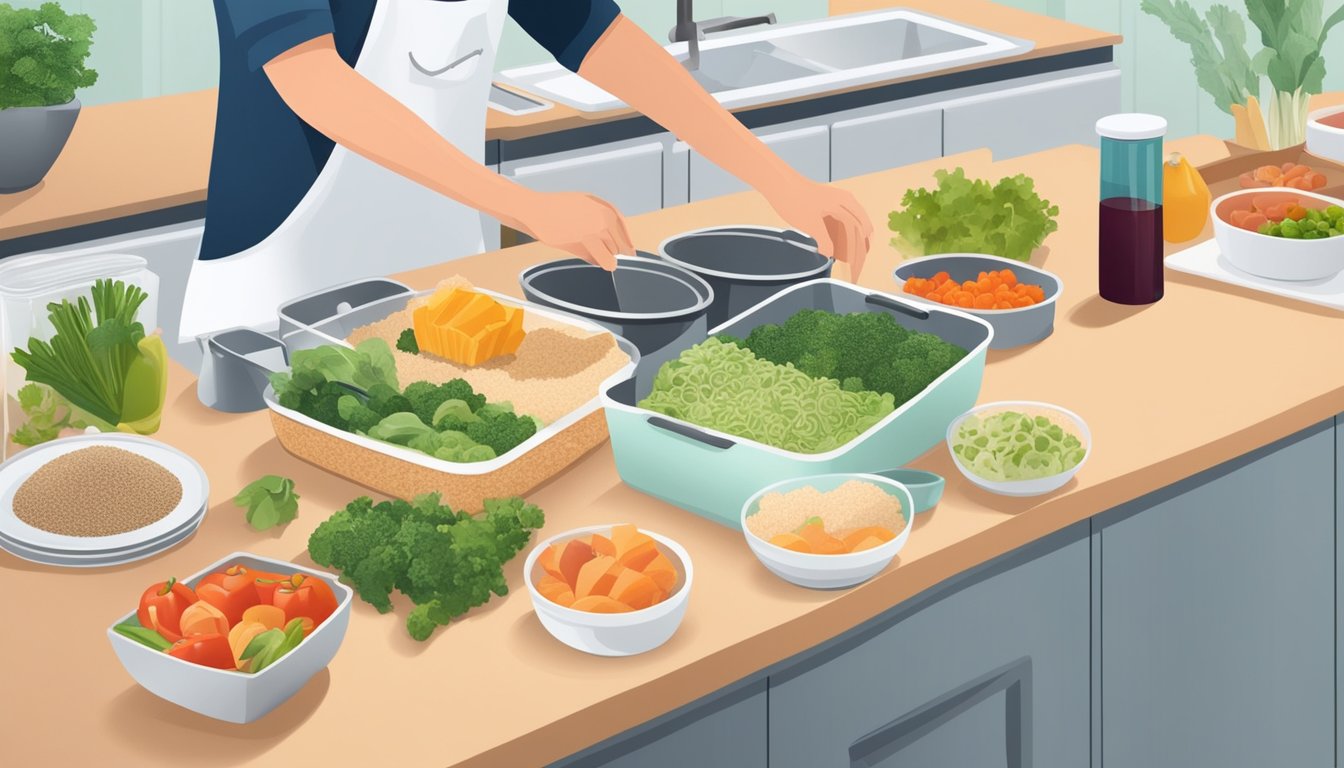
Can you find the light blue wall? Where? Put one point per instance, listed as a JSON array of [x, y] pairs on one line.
[[153, 47]]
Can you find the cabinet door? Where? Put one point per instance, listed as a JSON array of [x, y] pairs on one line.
[[889, 139], [1030, 118], [1217, 617], [727, 731], [628, 175], [807, 149], [992, 675]]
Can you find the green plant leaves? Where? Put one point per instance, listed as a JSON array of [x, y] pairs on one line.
[[269, 501], [1006, 219], [42, 55]]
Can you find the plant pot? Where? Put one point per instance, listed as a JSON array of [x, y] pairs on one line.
[[33, 139]]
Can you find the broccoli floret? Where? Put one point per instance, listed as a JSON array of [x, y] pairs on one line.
[[728, 338], [362, 419], [459, 389], [503, 432], [350, 536], [386, 401], [324, 407], [425, 398], [406, 342]]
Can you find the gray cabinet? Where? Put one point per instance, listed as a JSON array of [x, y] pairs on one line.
[[627, 174], [728, 730], [1014, 121], [885, 139], [806, 148], [1217, 616], [994, 673]]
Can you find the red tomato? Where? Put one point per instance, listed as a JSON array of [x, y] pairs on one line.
[[161, 608], [305, 597], [207, 650], [232, 591]]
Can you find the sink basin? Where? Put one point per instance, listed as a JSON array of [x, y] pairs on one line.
[[773, 63]]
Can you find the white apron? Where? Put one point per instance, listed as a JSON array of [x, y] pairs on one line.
[[359, 219]]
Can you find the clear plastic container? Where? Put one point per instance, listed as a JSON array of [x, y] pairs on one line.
[[28, 284], [1130, 216]]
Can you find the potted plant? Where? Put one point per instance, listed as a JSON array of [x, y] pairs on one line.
[[1292, 33], [42, 55]]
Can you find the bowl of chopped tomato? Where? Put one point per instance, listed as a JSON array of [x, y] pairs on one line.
[[1288, 234], [235, 640], [1016, 298]]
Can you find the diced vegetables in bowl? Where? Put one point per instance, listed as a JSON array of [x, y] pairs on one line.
[[235, 640], [609, 590], [828, 531], [1281, 234], [1019, 448]]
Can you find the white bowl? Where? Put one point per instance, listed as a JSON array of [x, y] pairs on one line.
[[1065, 418], [237, 697], [828, 571], [1276, 258], [613, 634], [1323, 140]]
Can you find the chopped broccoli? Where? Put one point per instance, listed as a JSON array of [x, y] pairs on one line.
[[446, 562], [387, 401], [864, 351], [459, 389], [502, 432], [406, 342]]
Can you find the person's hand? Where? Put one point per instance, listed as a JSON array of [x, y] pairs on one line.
[[831, 216], [583, 225]]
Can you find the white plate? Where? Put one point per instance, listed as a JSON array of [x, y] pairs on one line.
[[1206, 260], [98, 560], [192, 523], [195, 492]]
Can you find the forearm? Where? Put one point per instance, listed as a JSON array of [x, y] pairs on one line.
[[344, 106], [627, 63]]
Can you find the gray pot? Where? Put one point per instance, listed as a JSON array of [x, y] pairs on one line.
[[745, 265], [31, 138]]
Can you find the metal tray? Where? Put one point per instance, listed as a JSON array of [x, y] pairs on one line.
[[404, 473], [713, 474]]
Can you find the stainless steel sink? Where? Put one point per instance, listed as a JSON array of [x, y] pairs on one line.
[[788, 61]]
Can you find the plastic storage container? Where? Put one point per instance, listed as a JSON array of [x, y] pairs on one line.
[[28, 284], [405, 473], [1130, 223], [713, 474]]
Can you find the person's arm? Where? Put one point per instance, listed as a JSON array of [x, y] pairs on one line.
[[627, 63], [333, 98]]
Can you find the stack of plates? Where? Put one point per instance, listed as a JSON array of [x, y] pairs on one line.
[[39, 546]]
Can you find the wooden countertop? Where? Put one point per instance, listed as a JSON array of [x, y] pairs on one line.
[[1166, 389], [141, 156]]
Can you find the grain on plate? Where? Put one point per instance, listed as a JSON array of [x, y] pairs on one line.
[[97, 491], [853, 505]]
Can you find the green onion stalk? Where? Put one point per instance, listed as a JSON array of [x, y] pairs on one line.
[[1288, 118]]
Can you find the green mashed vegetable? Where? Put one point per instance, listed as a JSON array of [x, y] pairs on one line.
[[1010, 446]]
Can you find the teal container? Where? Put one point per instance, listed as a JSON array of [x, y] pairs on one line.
[[713, 474], [1129, 220]]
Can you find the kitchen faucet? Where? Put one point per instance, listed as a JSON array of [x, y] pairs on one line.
[[691, 32]]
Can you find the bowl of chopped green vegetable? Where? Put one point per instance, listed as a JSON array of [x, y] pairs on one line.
[[1280, 234], [1019, 447], [230, 694]]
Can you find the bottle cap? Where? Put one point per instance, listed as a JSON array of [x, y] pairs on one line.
[[1131, 126]]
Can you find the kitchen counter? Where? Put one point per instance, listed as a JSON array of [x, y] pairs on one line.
[[1168, 390], [140, 157]]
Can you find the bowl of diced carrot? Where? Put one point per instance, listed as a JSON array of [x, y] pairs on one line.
[[1281, 234], [609, 590], [1014, 297]]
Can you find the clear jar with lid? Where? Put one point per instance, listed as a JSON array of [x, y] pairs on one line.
[[33, 289], [1129, 253]]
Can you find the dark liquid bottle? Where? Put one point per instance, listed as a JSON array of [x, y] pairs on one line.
[[1130, 251], [1129, 225]]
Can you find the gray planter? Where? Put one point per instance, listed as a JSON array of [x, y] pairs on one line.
[[31, 138]]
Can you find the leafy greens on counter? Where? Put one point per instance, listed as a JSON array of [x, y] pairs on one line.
[[445, 561], [269, 501], [962, 215]]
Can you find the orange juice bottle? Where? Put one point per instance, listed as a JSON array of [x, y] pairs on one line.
[[1185, 200]]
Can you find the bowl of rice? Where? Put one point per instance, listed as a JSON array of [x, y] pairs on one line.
[[828, 531]]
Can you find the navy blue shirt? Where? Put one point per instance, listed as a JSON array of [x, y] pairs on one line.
[[265, 157]]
